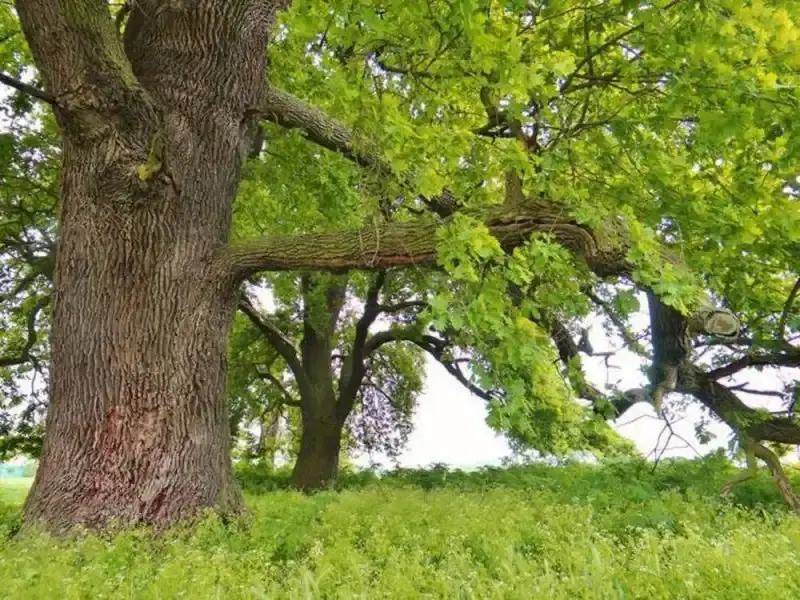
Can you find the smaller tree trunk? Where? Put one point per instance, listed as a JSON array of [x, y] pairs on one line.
[[317, 464]]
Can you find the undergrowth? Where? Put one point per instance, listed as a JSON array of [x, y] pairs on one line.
[[614, 531]]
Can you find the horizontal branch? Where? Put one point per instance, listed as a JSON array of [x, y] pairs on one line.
[[395, 334], [401, 306], [384, 245], [790, 358]]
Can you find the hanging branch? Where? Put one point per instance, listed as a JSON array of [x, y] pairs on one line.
[[25, 355], [288, 400]]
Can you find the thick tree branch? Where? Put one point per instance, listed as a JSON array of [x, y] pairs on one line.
[[290, 112], [726, 405], [395, 334], [384, 245], [80, 56]]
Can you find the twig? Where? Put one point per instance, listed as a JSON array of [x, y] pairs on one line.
[[787, 308]]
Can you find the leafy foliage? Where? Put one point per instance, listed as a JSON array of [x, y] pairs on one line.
[[672, 121], [573, 532]]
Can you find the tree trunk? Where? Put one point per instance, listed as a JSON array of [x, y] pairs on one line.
[[317, 464], [137, 429], [154, 133]]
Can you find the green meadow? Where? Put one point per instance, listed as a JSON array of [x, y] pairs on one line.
[[618, 530]]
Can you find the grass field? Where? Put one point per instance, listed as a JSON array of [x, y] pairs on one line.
[[13, 490], [617, 531]]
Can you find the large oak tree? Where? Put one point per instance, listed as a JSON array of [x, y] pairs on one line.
[[641, 142]]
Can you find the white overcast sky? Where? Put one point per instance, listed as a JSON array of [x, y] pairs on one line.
[[450, 423]]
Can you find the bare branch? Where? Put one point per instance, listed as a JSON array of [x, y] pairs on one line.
[[630, 340], [275, 337], [288, 399], [353, 368], [436, 348], [25, 88], [790, 358], [787, 309], [743, 388]]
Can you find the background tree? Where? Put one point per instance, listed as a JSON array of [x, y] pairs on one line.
[[590, 112], [347, 383]]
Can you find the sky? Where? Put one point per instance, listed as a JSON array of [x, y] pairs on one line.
[[450, 423]]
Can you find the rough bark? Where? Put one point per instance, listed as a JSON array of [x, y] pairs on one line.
[[383, 245], [137, 430], [144, 281]]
